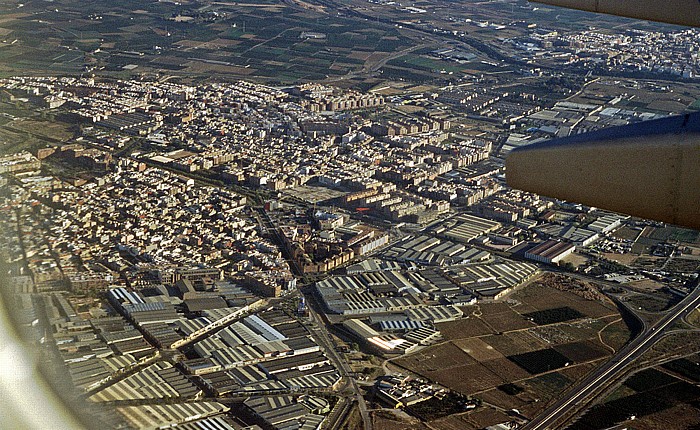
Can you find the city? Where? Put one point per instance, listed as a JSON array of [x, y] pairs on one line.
[[196, 235]]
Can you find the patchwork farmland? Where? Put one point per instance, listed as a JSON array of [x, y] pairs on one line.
[[522, 352]]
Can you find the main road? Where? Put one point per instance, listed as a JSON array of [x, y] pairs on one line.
[[324, 339], [576, 398]]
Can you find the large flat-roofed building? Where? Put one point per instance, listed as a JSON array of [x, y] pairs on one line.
[[570, 233], [606, 223], [300, 362], [550, 252], [384, 343], [469, 227]]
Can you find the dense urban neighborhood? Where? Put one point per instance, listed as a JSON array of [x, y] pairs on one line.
[[341, 250]]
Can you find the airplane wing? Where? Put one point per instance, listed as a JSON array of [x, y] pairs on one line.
[[681, 12], [649, 169], [27, 400]]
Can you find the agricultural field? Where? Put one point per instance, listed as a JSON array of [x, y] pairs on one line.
[[472, 420], [658, 301], [435, 408], [428, 64], [22, 133], [478, 349], [656, 399], [515, 342], [469, 327], [554, 315], [282, 42], [687, 368], [583, 351], [540, 361], [675, 234], [521, 352], [627, 233], [685, 265], [615, 334], [549, 385], [675, 264], [502, 318]]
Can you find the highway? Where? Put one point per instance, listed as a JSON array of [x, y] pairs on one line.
[[576, 399]]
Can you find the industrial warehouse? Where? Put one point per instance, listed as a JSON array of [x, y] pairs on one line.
[[394, 310]]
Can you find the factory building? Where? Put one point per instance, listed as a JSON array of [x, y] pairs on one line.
[[550, 252]]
